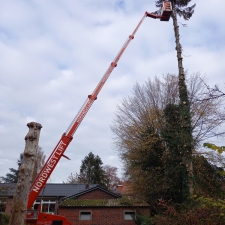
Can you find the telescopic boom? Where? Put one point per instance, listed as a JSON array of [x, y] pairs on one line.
[[67, 137], [58, 152]]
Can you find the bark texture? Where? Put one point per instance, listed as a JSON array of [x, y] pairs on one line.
[[186, 131], [25, 175]]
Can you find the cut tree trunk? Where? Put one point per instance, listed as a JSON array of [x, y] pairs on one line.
[[20, 197]]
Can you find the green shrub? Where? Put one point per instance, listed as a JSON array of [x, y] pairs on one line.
[[4, 219], [143, 220], [198, 211]]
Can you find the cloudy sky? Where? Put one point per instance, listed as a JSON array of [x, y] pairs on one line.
[[54, 53]]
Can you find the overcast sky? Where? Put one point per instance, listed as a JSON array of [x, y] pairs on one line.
[[53, 53]]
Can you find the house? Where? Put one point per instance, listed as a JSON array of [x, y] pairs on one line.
[[84, 204], [97, 206], [48, 199], [125, 189]]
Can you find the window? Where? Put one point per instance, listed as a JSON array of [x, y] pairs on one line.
[[47, 206], [3, 202], [129, 215], [85, 215]]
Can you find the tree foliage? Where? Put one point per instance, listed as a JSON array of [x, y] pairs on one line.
[[174, 154], [144, 164], [12, 176], [92, 172], [111, 174], [73, 178], [144, 108], [209, 178], [211, 93], [4, 219], [197, 211], [108, 173], [148, 136], [219, 149], [181, 7], [38, 162]]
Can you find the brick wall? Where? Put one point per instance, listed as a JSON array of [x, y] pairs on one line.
[[100, 216], [96, 194], [9, 205]]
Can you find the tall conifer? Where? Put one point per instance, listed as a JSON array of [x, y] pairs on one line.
[[91, 171], [181, 8]]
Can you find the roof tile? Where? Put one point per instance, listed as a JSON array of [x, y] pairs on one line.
[[121, 202], [51, 189]]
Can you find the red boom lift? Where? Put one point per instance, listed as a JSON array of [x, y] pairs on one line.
[[35, 217]]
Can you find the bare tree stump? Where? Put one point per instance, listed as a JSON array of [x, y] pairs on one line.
[[25, 175]]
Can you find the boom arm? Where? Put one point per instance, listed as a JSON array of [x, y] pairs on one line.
[[47, 169]]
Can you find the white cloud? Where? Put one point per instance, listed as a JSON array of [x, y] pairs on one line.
[[53, 54]]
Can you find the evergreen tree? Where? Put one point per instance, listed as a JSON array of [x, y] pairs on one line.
[[148, 136], [175, 170], [12, 176], [180, 8], [91, 171], [209, 178]]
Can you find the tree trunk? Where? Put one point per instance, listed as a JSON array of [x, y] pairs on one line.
[[186, 128], [25, 175]]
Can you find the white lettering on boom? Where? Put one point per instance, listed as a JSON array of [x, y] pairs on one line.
[[84, 112], [49, 165]]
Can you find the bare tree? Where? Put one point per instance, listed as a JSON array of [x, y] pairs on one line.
[[113, 179], [146, 104], [211, 93], [143, 111], [73, 178], [39, 162], [207, 115]]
